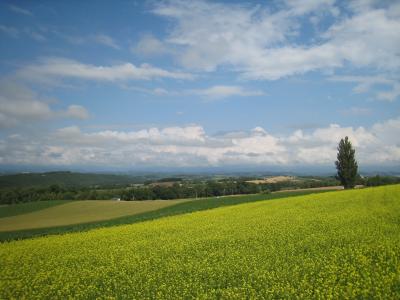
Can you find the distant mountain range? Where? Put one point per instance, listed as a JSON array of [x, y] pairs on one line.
[[18, 178], [299, 170]]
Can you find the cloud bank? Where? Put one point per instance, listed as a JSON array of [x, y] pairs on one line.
[[191, 146]]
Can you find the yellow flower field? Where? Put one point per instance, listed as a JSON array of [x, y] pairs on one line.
[[331, 245]]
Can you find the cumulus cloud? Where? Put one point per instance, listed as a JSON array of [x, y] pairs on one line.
[[49, 69], [20, 105], [152, 136], [191, 146]]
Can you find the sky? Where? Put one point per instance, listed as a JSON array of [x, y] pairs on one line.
[[138, 85]]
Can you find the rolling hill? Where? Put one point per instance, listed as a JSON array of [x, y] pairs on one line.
[[332, 245], [42, 218]]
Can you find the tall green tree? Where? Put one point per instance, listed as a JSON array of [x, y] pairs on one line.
[[346, 164]]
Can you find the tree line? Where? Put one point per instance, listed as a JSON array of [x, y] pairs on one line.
[[146, 192], [178, 190]]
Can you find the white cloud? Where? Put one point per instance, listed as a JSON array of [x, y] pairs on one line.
[[149, 45], [261, 43], [367, 39], [367, 83], [388, 131], [20, 10], [224, 91], [106, 40], [19, 105], [356, 111], [154, 136], [301, 7], [99, 38], [77, 112], [49, 69], [390, 95], [17, 33], [213, 34], [191, 146], [35, 35], [11, 31], [216, 92]]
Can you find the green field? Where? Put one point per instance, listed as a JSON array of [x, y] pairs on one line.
[[24, 208], [134, 216], [76, 212], [331, 245]]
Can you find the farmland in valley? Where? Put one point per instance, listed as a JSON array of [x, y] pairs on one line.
[[337, 244]]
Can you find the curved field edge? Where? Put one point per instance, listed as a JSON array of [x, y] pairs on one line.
[[24, 208], [78, 212], [331, 245], [177, 209]]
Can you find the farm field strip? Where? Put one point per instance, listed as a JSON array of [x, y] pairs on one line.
[[182, 207], [24, 208], [76, 212], [329, 245]]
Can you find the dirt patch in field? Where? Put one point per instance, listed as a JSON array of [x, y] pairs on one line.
[[323, 188], [274, 179]]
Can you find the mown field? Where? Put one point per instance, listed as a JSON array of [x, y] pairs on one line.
[[331, 245], [24, 208], [75, 212]]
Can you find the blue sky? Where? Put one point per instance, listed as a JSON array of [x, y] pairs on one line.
[[151, 84]]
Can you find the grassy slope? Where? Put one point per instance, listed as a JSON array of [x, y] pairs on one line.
[[24, 208], [77, 212], [331, 245], [180, 208]]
